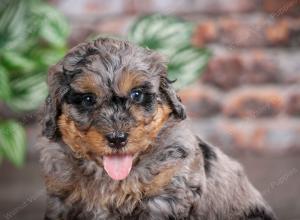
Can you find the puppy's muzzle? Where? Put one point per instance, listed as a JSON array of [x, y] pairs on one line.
[[117, 140]]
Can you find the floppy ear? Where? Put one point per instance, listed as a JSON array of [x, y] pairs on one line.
[[49, 128], [172, 99], [59, 77], [53, 102], [168, 94]]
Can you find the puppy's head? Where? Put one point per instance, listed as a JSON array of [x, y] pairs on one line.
[[108, 100]]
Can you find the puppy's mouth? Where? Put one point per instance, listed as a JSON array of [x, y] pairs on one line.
[[118, 166]]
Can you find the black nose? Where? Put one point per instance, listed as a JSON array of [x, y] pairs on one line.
[[117, 139]]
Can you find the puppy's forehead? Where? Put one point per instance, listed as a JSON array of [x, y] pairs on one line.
[[125, 81], [119, 82], [89, 82], [108, 65]]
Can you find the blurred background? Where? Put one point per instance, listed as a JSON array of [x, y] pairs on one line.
[[237, 65]]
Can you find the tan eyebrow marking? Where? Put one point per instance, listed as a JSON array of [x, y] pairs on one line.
[[126, 81], [88, 83]]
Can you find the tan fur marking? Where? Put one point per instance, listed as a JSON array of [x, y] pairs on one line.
[[70, 134], [160, 181], [88, 83], [145, 133], [81, 142], [126, 81], [56, 186]]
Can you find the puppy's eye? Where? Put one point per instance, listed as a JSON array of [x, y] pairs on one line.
[[88, 100], [136, 96], [85, 100]]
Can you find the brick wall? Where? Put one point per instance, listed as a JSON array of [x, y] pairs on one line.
[[249, 95]]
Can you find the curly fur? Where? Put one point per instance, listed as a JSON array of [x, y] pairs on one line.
[[175, 174]]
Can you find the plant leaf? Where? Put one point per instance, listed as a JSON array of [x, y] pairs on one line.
[[46, 57], [13, 142], [18, 63], [53, 27], [4, 85], [33, 35], [28, 93], [186, 64], [13, 33], [171, 36], [161, 32]]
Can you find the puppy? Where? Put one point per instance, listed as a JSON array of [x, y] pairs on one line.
[[116, 145]]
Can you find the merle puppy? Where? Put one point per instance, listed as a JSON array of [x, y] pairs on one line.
[[116, 145]]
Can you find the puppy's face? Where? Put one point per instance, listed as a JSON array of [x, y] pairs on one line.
[[110, 99], [114, 118]]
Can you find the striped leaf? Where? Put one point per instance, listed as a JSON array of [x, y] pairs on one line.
[[172, 37], [12, 142]]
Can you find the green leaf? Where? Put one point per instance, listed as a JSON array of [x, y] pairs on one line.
[[160, 32], [53, 26], [4, 84], [17, 62], [28, 93], [13, 32], [45, 57], [186, 64], [13, 142], [33, 36], [172, 37]]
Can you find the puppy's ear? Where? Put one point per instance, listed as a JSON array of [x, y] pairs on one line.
[[171, 97], [49, 119], [59, 77], [167, 92], [52, 108]]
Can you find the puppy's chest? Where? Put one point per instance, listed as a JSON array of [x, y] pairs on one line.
[[133, 199], [99, 192], [106, 195]]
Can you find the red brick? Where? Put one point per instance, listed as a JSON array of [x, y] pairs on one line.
[[115, 26], [201, 101], [278, 136], [254, 103], [241, 32], [248, 31], [293, 103], [259, 68], [237, 132], [294, 27], [90, 9], [284, 31], [204, 33], [79, 33], [279, 33], [214, 132], [223, 72], [230, 70], [188, 6], [262, 136], [289, 65], [282, 7]]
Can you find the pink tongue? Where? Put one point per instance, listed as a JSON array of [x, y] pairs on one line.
[[118, 166]]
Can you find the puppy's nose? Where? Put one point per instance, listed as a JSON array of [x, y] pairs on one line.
[[117, 139]]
